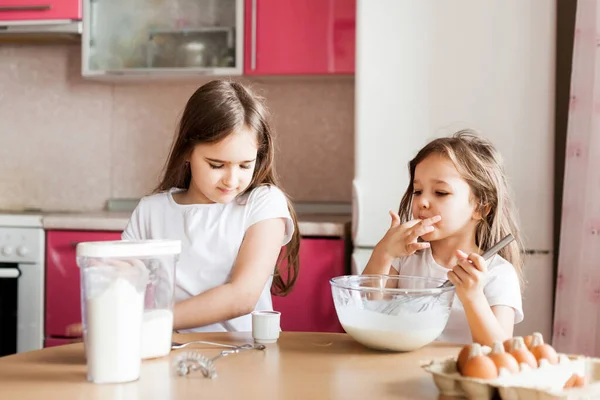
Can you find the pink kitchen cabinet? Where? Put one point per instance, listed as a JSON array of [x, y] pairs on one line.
[[30, 10], [309, 307], [63, 304], [300, 37], [57, 342]]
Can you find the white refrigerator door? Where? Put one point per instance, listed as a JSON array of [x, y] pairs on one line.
[[360, 258], [427, 68]]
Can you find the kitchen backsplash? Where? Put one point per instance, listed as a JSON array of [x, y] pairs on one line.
[[71, 144]]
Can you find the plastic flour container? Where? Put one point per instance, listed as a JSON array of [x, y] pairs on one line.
[[127, 298]]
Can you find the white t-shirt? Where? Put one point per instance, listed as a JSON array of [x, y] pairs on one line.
[[502, 287], [211, 236]]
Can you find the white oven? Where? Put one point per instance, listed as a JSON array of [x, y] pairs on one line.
[[21, 283]]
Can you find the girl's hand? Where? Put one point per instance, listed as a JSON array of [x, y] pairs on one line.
[[468, 276], [401, 239]]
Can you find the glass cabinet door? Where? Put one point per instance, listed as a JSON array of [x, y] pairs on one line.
[[163, 36]]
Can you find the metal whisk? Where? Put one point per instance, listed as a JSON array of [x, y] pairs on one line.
[[195, 361]]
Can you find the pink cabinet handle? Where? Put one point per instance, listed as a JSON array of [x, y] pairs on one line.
[[253, 37], [44, 7]]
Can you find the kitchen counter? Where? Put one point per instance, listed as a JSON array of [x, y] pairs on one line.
[[299, 366], [334, 225]]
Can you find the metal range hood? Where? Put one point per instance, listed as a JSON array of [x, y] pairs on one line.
[[38, 29]]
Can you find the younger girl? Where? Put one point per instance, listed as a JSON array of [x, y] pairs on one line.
[[456, 206], [219, 196]]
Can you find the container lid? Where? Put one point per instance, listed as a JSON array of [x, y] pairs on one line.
[[128, 248]]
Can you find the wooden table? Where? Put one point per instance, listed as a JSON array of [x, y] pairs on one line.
[[298, 366]]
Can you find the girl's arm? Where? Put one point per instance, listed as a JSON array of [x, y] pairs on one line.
[[488, 324], [379, 264], [254, 264]]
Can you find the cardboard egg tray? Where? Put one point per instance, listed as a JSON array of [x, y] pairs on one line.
[[542, 383]]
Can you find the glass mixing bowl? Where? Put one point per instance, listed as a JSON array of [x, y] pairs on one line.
[[392, 312]]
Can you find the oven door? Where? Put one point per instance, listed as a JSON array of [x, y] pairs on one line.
[[21, 307]]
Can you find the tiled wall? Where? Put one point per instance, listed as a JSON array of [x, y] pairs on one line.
[[70, 144]]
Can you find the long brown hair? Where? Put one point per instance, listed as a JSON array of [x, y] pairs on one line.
[[481, 166], [212, 113]]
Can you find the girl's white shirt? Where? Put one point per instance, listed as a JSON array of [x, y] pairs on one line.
[[501, 288], [211, 236]]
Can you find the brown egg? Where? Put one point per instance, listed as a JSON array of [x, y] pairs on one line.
[[570, 382], [502, 359], [463, 356], [528, 340], [522, 354], [479, 365], [579, 381], [508, 345], [541, 350], [509, 342], [574, 381]]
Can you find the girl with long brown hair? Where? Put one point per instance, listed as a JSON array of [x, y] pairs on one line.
[[219, 195], [457, 205]]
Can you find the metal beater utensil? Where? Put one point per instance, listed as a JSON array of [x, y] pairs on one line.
[[177, 346], [391, 307], [194, 360]]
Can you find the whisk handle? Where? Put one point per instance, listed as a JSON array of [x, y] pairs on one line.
[[488, 253], [498, 246]]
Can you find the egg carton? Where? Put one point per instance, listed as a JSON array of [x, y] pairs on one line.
[[542, 383]]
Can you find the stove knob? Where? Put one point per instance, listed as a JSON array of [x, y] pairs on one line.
[[22, 251], [7, 250]]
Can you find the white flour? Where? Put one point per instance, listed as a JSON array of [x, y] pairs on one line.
[[114, 323], [157, 332], [402, 332]]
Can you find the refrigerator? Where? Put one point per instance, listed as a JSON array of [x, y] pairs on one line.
[[427, 68]]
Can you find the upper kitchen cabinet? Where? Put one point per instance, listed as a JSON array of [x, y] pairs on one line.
[[36, 10], [29, 20], [299, 37], [162, 37]]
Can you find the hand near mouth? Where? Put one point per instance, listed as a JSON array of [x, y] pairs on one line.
[[401, 240]]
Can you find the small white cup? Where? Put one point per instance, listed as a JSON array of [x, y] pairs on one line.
[[265, 326]]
